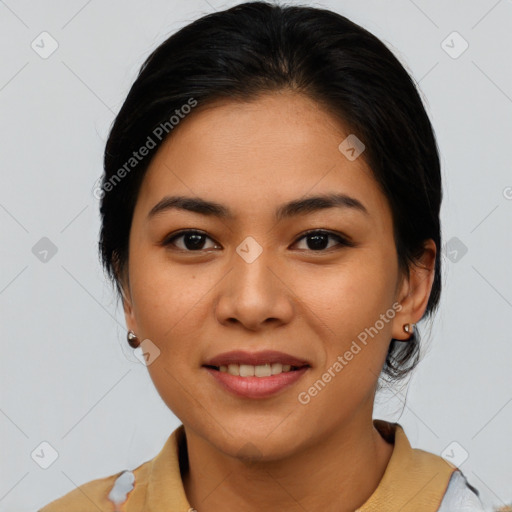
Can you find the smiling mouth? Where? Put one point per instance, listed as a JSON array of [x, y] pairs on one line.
[[261, 370]]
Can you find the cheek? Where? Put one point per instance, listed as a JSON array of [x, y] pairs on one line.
[[170, 311], [172, 304], [350, 297], [349, 304]]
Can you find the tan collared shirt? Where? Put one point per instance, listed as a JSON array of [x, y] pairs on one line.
[[414, 481]]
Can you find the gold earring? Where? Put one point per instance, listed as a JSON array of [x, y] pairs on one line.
[[132, 339], [408, 328]]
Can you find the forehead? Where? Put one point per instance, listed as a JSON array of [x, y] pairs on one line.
[[253, 155]]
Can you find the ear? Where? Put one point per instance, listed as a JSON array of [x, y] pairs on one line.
[[414, 292], [128, 309], [124, 287]]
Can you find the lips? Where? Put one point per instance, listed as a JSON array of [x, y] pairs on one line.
[[256, 375], [255, 387], [242, 357]]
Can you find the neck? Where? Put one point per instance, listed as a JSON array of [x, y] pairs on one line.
[[337, 474]]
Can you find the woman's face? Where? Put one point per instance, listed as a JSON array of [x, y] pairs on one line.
[[252, 281]]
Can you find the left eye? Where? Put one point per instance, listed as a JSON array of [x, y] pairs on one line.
[[318, 239]]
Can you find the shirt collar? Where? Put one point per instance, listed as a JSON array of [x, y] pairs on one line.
[[413, 479]]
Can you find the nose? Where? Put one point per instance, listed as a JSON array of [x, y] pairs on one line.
[[255, 294]]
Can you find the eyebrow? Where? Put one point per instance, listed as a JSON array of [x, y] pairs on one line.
[[291, 209]]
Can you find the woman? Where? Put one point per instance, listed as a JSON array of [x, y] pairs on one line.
[[270, 219]]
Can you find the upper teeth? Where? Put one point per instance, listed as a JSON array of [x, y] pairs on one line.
[[261, 370]]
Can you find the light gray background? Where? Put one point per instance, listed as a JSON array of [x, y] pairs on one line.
[[68, 377]]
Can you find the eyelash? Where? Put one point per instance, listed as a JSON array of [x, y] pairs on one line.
[[342, 241]]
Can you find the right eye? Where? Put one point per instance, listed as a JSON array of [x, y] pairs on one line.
[[193, 240]]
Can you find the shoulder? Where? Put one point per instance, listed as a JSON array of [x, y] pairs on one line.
[[100, 494], [89, 495], [460, 496], [416, 479], [153, 483]]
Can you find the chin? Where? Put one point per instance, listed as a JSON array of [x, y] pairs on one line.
[[254, 445]]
